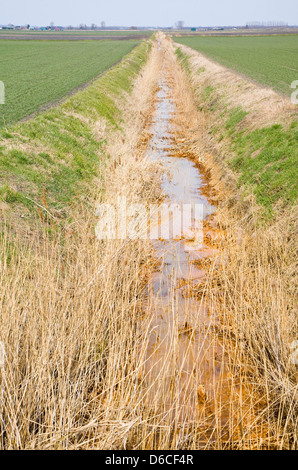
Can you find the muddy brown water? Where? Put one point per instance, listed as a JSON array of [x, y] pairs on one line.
[[185, 363]]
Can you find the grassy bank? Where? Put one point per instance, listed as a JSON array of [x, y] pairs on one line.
[[270, 60], [48, 163], [246, 139], [264, 158], [36, 73]]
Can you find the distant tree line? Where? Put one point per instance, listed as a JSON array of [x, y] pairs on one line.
[[92, 27], [266, 24]]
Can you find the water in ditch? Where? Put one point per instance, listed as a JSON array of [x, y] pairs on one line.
[[185, 364]]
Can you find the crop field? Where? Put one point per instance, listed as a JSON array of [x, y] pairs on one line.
[[73, 35], [104, 32], [270, 60], [36, 73], [148, 243]]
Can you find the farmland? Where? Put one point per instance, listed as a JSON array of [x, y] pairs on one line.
[[270, 60], [36, 73]]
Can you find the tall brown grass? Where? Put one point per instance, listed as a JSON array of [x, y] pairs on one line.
[[69, 310], [254, 287], [76, 321]]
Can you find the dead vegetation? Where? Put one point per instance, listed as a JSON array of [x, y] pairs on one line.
[[76, 336]]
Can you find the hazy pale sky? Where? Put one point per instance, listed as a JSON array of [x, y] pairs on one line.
[[147, 12]]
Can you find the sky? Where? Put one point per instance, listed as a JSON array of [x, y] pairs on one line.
[[147, 12]]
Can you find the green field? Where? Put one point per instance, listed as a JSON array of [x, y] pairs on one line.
[[104, 32], [270, 60], [58, 152], [36, 73]]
